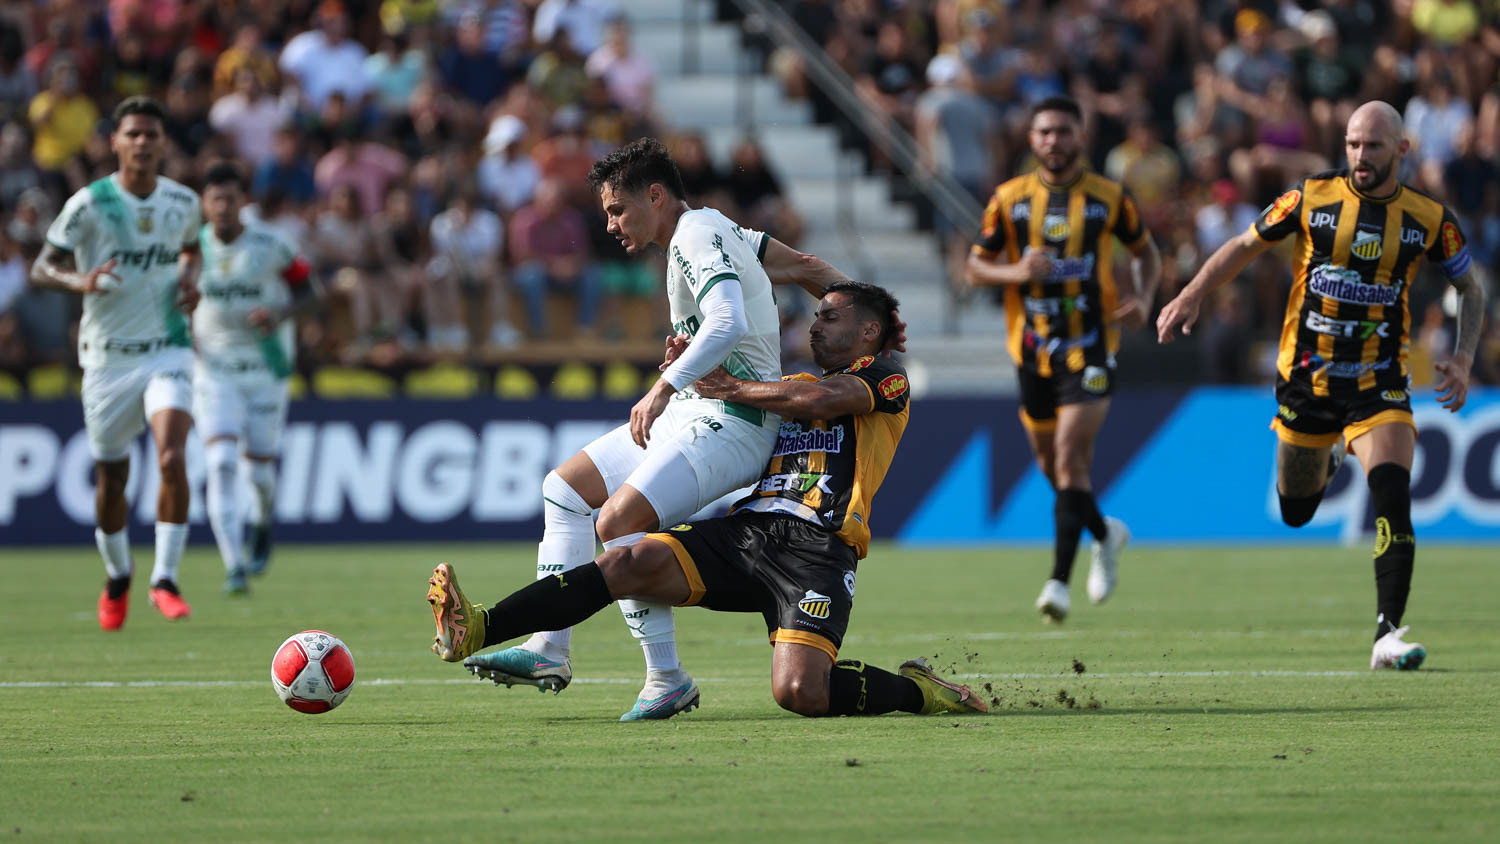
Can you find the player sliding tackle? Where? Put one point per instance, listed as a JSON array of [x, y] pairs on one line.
[[680, 451], [1342, 370], [788, 550]]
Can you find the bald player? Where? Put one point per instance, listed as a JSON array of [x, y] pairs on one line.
[[1342, 375]]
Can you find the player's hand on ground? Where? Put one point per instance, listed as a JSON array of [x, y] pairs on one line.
[[1453, 382], [897, 343], [1037, 265], [99, 279], [647, 410], [676, 345], [1132, 311], [1180, 312], [262, 320], [187, 295], [714, 385]]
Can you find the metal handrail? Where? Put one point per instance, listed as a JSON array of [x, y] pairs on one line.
[[943, 191]]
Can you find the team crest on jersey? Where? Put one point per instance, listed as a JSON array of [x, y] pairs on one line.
[[1366, 245], [680, 528], [892, 386], [143, 221], [815, 605], [1282, 207], [1095, 379], [1453, 242], [1055, 227], [861, 363]]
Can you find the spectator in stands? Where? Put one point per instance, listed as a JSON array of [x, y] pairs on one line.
[[247, 51], [506, 28], [130, 71], [758, 195], [62, 118], [325, 59], [1279, 155], [627, 72], [187, 117], [581, 20], [1470, 188], [1247, 66], [1224, 218], [988, 64], [1147, 168], [45, 316], [507, 174], [250, 117], [565, 156], [347, 255], [17, 172], [395, 72], [1434, 118], [960, 137], [704, 184], [18, 84], [466, 242], [368, 167], [287, 171], [1328, 80], [557, 74], [892, 74], [549, 249], [403, 246], [1446, 23], [468, 68]]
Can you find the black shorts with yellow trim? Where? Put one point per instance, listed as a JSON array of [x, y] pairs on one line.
[[1042, 396], [1312, 421], [797, 575]]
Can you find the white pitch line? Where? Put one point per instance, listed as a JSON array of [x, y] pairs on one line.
[[1151, 675], [379, 681]]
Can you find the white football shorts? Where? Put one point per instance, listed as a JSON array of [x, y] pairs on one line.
[[252, 410], [118, 400], [695, 456]]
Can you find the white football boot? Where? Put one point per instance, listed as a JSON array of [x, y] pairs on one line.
[[1391, 651], [1104, 570], [1053, 602]]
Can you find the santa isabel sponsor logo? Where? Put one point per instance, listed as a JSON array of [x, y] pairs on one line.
[[1345, 285]]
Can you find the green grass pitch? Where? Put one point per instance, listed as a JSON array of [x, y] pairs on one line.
[[1223, 694]]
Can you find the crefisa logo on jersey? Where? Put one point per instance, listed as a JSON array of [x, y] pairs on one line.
[[1366, 245], [1055, 227]]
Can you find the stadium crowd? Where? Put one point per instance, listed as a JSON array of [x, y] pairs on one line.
[[430, 155], [1205, 111]]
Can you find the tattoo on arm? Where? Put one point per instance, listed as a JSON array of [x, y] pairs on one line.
[[1470, 313], [1300, 472]]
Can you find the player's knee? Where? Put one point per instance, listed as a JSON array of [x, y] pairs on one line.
[[1390, 492], [618, 519], [172, 461], [560, 493], [797, 694], [1297, 511], [112, 476], [221, 456], [635, 571]]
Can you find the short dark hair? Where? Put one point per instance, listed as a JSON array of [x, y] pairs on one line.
[[1066, 105], [636, 166], [142, 105], [871, 302], [223, 173]]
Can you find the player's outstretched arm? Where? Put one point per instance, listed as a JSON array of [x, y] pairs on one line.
[[54, 269], [1453, 374], [794, 399], [1226, 263], [189, 266], [785, 265], [1035, 265]]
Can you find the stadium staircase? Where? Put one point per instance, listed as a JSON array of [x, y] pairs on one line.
[[706, 82]]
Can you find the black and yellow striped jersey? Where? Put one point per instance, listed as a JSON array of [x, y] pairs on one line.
[[1348, 318], [827, 470], [1063, 323]]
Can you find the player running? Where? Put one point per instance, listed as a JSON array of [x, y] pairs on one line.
[[129, 244], [789, 550], [1342, 371], [1047, 240], [253, 283], [680, 451]]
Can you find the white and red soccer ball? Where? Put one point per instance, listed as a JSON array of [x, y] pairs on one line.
[[313, 671]]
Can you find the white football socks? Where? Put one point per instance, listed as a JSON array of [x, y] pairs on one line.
[[222, 500], [262, 474], [652, 624], [567, 543], [171, 539], [115, 549]]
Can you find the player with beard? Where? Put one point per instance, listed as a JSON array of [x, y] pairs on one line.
[[1342, 371], [1046, 242]]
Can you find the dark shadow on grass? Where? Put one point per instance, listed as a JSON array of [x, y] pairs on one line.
[[1106, 709]]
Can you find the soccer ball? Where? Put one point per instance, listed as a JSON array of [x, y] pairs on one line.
[[313, 672]]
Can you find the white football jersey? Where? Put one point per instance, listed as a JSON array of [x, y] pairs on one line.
[[145, 236], [707, 248], [255, 270]]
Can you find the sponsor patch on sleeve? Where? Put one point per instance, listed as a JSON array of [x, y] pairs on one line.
[[1282, 207], [893, 386], [861, 363]]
